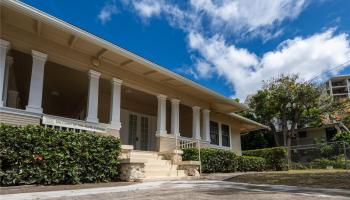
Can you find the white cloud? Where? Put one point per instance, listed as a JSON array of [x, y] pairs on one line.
[[244, 18], [249, 14], [107, 11], [148, 8], [245, 71]]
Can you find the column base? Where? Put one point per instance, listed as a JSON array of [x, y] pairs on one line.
[[116, 126], [162, 132], [91, 119], [34, 109]]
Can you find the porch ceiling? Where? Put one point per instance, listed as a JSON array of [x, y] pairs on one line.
[[18, 16]]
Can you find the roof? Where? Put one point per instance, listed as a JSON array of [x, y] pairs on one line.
[[218, 102], [248, 124]]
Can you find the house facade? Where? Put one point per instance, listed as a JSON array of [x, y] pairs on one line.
[[56, 75]]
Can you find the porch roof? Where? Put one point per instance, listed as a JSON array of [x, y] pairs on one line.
[[43, 25], [247, 124]]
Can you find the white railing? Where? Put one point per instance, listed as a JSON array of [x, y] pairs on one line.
[[185, 143], [73, 124]]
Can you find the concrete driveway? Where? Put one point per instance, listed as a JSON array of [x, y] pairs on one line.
[[192, 190]]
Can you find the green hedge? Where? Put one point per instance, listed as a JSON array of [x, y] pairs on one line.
[[213, 160], [218, 160], [276, 158], [251, 163], [38, 155]]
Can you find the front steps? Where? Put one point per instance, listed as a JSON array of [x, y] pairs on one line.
[[156, 167]]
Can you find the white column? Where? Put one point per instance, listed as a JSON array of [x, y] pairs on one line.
[[220, 135], [115, 103], [206, 124], [175, 117], [36, 82], [9, 62], [196, 130], [92, 104], [4, 46], [161, 117]]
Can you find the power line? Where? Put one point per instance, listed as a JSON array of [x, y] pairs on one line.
[[329, 70]]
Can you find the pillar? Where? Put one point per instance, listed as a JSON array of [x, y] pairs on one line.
[[92, 105], [115, 103], [36, 82], [206, 124], [175, 117], [196, 132], [4, 47], [9, 62], [161, 116]]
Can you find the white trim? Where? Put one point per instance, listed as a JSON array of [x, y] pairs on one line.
[[16, 111]]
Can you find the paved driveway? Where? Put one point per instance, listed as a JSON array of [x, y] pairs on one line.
[[189, 190]]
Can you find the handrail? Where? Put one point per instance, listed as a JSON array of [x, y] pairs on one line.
[[185, 143]]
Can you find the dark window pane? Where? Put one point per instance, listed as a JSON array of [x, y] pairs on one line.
[[214, 133], [225, 131]]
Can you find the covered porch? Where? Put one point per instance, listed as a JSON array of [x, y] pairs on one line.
[[54, 95]]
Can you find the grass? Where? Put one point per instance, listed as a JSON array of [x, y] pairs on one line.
[[334, 179]]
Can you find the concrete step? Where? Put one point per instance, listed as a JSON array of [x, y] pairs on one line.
[[158, 162], [164, 173], [146, 156], [160, 167]]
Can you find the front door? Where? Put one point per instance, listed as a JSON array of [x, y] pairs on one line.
[[138, 131]]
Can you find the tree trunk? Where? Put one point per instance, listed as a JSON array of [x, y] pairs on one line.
[[274, 132], [284, 126], [289, 145]]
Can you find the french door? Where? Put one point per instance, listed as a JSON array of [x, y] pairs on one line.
[[138, 131]]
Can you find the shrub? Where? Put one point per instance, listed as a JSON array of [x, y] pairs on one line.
[[250, 163], [213, 160], [296, 165], [38, 155], [337, 162], [276, 158]]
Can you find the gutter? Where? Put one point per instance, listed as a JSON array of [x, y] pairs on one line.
[[42, 16], [239, 117]]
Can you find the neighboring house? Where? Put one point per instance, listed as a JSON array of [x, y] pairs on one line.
[[312, 135], [57, 75], [339, 87]]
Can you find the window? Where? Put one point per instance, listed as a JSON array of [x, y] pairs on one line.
[[302, 134], [214, 133], [144, 133], [225, 132], [132, 129]]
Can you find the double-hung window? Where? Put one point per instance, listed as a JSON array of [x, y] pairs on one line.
[[225, 132], [214, 133]]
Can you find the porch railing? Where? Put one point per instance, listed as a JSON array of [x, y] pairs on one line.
[[75, 125], [185, 143]]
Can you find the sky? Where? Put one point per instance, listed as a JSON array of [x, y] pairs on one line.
[[229, 46]]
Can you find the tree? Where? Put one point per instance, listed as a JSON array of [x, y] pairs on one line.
[[286, 102], [257, 139]]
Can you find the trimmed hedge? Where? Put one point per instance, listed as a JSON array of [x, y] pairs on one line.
[[276, 158], [213, 160], [251, 163], [38, 155], [218, 160]]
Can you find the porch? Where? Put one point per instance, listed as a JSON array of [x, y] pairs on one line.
[[39, 91]]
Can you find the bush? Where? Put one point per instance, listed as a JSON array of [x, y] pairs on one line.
[[337, 162], [276, 158], [213, 160], [38, 155], [250, 163]]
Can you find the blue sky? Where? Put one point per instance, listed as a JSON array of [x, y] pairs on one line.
[[229, 46]]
